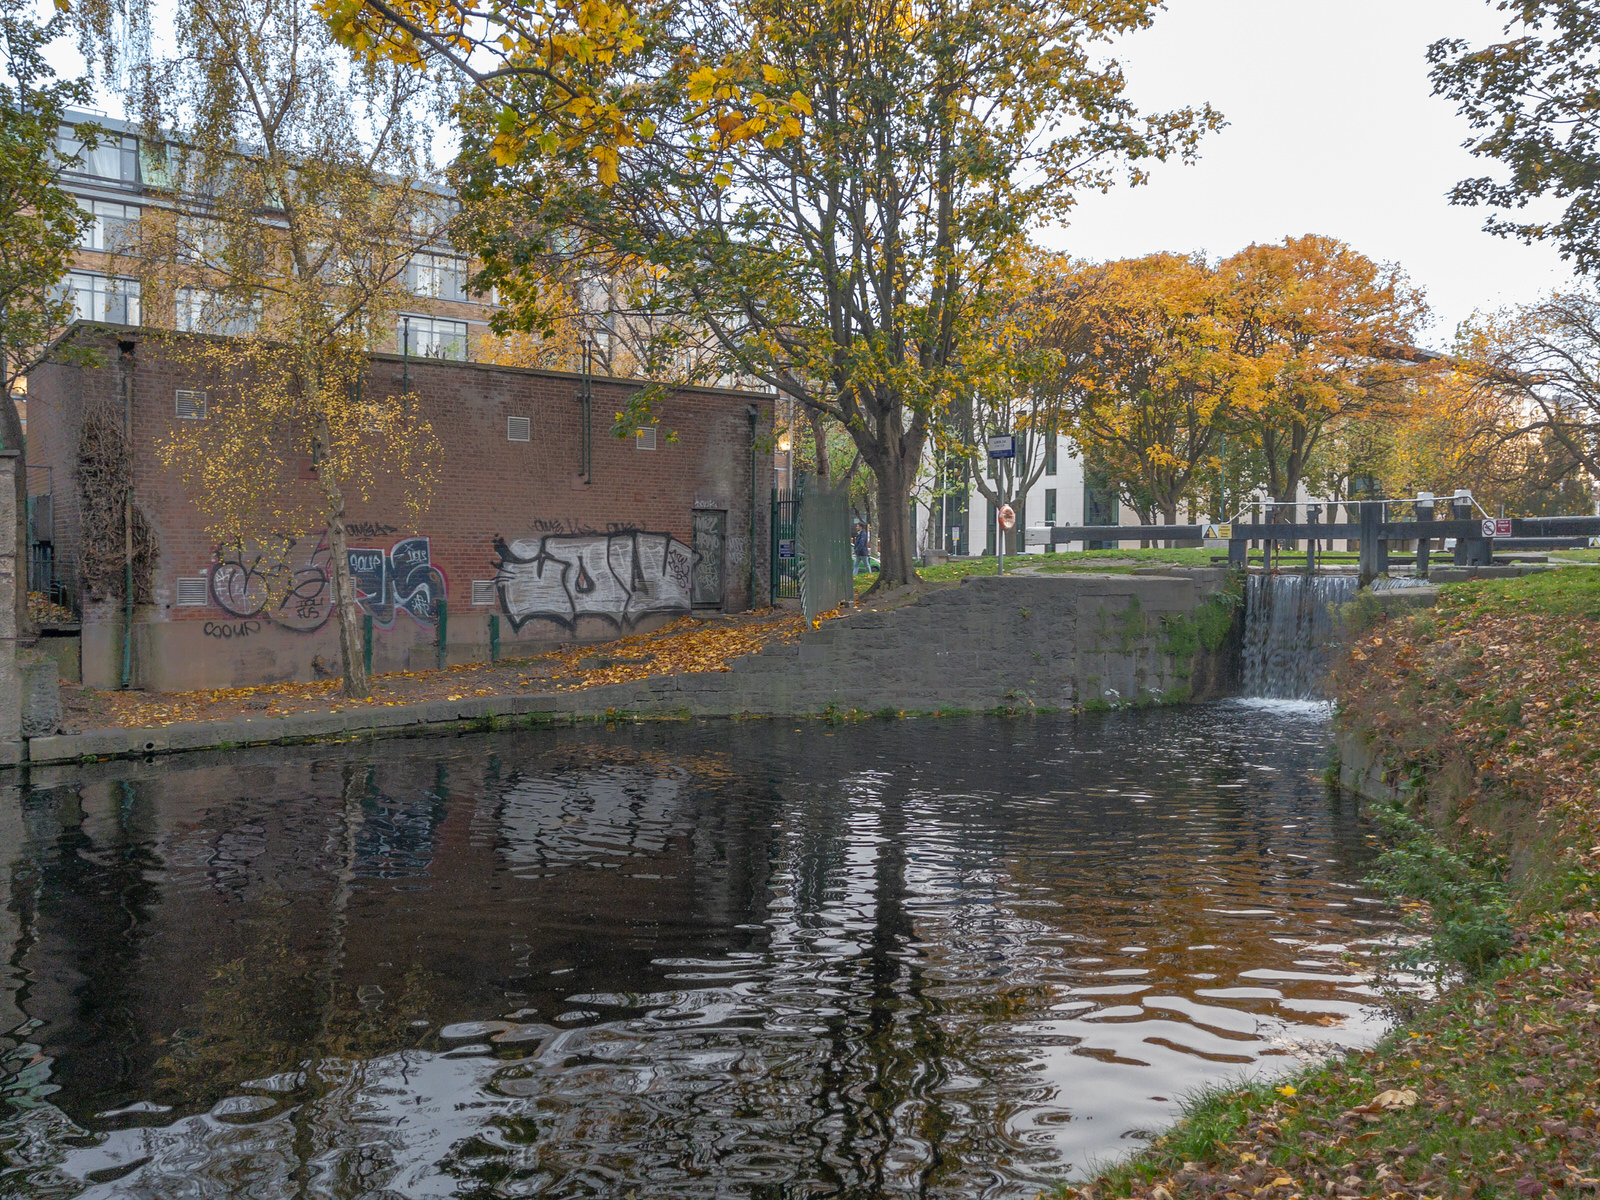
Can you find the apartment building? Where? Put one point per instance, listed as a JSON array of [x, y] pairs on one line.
[[544, 530], [127, 175], [955, 518]]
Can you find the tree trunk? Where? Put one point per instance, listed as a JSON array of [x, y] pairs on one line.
[[346, 608], [347, 612], [819, 438], [894, 524], [1169, 514]]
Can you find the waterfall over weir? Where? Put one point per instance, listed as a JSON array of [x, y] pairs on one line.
[[1288, 629]]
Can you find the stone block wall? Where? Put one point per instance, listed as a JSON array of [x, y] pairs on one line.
[[1015, 641]]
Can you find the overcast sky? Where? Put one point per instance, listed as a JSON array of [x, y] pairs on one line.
[[1333, 130]]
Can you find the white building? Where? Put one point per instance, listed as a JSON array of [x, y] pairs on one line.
[[961, 520]]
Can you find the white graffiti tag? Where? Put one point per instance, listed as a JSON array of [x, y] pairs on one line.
[[620, 577]]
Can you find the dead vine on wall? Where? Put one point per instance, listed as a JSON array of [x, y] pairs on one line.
[[104, 474]]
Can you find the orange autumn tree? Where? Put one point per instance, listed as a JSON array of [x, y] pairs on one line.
[[1156, 389], [1318, 332]]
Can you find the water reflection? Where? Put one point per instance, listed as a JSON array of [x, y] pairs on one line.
[[944, 958]]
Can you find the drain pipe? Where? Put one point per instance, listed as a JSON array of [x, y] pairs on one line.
[[127, 349], [754, 414]]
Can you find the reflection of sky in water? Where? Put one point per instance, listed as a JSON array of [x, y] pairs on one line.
[[700, 961]]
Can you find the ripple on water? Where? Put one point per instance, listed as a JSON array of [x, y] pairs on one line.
[[697, 961]]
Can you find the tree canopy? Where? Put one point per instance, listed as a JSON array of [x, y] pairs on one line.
[[42, 223], [1530, 101], [830, 189], [296, 189]]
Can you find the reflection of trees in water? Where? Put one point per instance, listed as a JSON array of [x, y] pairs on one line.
[[843, 1063], [885, 1029]]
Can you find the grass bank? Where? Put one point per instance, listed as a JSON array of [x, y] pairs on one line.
[[1486, 714]]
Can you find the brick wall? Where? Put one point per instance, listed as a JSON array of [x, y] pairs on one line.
[[603, 556]]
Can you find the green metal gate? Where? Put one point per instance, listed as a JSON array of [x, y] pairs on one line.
[[785, 545]]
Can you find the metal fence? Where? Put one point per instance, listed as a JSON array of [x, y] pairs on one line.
[[823, 535], [811, 556]]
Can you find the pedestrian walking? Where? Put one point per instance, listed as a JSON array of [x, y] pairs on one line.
[[862, 544]]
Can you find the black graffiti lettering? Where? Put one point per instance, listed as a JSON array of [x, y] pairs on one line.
[[226, 630], [369, 529], [295, 590]]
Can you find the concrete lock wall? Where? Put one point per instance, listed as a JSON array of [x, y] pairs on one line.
[[1011, 641], [1014, 643]]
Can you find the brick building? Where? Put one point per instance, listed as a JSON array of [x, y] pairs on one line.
[[518, 540]]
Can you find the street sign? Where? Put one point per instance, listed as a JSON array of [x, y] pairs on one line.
[[1003, 445], [1008, 516], [1218, 532], [1494, 527], [785, 547]]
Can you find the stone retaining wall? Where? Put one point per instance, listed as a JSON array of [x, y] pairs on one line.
[[1013, 642]]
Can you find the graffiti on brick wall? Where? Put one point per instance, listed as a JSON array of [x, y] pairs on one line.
[[401, 579], [291, 590], [620, 577], [294, 590]]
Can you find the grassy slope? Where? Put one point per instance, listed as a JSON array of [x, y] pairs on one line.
[[1489, 709]]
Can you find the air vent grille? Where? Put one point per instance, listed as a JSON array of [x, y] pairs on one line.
[[191, 406], [645, 439], [483, 591], [519, 429], [192, 592]]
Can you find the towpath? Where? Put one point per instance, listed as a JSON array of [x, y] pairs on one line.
[[688, 644]]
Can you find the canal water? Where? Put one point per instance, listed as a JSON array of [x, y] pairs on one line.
[[955, 958]]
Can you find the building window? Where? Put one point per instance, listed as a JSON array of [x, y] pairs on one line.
[[1049, 506], [200, 310], [645, 439], [192, 592], [191, 405], [440, 276], [110, 228], [519, 429], [483, 591], [116, 157], [431, 337], [1099, 501], [1050, 456], [100, 298]]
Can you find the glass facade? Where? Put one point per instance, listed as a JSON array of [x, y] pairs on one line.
[[200, 310], [440, 276], [115, 158]]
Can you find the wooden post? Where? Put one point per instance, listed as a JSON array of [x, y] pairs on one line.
[[1371, 517]]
